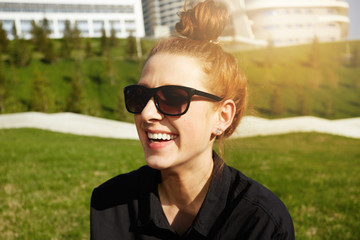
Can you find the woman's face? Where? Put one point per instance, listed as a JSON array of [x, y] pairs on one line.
[[190, 134]]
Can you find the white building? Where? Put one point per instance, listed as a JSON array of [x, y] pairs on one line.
[[285, 22], [91, 16], [288, 22], [160, 16]]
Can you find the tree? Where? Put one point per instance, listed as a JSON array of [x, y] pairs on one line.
[[67, 30], [88, 49], [39, 34], [20, 53], [4, 41], [144, 47], [113, 41], [104, 43], [270, 57], [316, 78], [121, 112], [14, 31], [330, 108], [40, 97], [45, 27], [34, 32], [314, 57], [40, 38], [354, 58], [303, 107], [131, 46], [276, 106], [3, 91], [65, 49], [74, 101], [76, 39], [49, 52], [110, 71]]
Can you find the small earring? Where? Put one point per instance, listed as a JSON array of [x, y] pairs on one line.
[[218, 131]]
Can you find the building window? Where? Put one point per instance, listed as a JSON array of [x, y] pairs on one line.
[[130, 23], [130, 26], [114, 24], [26, 26], [50, 25], [271, 13], [83, 26], [61, 26], [98, 26], [271, 27], [7, 25], [69, 8], [131, 32]]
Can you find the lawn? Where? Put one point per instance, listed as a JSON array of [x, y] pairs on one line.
[[287, 87], [46, 180]]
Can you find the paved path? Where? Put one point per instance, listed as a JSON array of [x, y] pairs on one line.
[[250, 126], [70, 123]]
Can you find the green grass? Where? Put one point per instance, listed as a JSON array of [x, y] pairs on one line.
[[46, 180], [330, 91]]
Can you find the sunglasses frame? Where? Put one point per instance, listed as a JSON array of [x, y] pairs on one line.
[[151, 93]]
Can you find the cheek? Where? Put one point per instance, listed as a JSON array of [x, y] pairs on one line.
[[137, 120], [199, 123]]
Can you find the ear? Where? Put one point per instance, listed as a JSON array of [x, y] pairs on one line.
[[226, 113]]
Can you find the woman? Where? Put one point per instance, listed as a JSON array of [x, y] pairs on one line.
[[190, 93]]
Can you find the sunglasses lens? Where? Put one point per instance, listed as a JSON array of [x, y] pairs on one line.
[[136, 98], [172, 100]]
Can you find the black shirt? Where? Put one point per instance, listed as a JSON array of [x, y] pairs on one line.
[[235, 207]]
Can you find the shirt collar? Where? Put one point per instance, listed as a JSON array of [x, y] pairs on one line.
[[215, 200], [151, 212], [150, 209]]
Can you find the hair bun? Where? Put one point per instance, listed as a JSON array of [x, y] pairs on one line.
[[206, 21]]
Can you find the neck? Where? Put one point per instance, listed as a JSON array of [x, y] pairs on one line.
[[186, 187], [182, 192]]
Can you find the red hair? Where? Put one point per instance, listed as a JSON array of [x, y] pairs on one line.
[[199, 29]]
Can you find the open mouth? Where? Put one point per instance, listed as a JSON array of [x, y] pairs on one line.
[[160, 137]]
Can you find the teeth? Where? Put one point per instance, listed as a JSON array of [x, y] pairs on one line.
[[160, 136]]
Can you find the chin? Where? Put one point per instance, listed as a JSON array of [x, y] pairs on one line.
[[158, 162]]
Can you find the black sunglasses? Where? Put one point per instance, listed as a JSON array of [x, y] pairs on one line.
[[169, 100]]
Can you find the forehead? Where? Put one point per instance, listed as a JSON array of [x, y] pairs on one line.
[[168, 69]]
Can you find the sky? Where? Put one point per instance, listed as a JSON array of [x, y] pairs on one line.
[[354, 14]]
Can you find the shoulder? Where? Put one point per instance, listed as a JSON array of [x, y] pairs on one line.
[[265, 210], [123, 187]]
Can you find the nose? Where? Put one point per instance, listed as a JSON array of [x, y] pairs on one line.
[[150, 112]]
